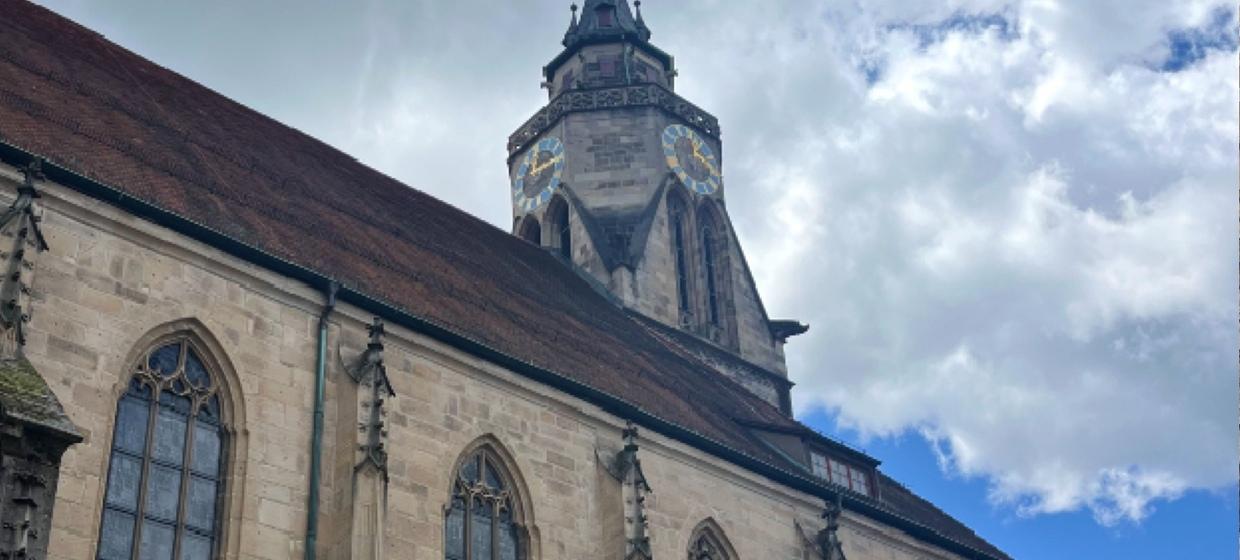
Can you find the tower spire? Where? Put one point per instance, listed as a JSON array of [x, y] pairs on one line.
[[570, 36], [643, 32]]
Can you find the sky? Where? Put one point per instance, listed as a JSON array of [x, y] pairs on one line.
[[1011, 225]]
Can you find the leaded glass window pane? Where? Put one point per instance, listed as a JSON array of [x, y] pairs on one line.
[[116, 536], [481, 534], [507, 536], [157, 541], [131, 418], [195, 372], [169, 437], [200, 508], [163, 486], [206, 449], [195, 547], [164, 361], [454, 532], [163, 493], [123, 480]]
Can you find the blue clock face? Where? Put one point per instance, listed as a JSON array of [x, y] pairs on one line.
[[538, 176], [691, 159]]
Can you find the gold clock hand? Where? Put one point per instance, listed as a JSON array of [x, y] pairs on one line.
[[537, 169], [540, 168], [698, 156]]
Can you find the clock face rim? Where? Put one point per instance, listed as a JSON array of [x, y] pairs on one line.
[[674, 132], [525, 204]]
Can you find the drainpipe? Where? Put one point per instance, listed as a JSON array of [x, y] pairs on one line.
[[316, 436]]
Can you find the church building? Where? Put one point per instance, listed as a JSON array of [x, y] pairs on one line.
[[222, 339]]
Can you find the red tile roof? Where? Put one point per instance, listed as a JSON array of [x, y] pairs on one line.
[[90, 106]]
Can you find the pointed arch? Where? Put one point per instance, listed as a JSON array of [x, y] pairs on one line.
[[530, 230], [715, 254], [487, 513], [559, 227], [709, 542], [175, 461], [680, 230]]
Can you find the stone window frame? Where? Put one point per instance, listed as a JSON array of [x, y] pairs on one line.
[[234, 427], [488, 449], [708, 541]]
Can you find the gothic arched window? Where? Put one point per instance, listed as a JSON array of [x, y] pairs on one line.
[[678, 223], [709, 543], [711, 268], [530, 231], [483, 519], [716, 276], [559, 227], [165, 476]]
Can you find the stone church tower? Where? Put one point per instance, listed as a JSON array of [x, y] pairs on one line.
[[623, 178]]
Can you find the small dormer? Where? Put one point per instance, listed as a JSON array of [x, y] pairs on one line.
[[824, 458]]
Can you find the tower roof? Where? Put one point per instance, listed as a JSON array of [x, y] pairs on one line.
[[606, 20]]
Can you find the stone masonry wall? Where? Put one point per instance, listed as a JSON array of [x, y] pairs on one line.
[[110, 284]]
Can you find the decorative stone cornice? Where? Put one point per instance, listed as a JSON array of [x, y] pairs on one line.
[[591, 99]]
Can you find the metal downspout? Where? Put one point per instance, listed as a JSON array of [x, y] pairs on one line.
[[316, 435]]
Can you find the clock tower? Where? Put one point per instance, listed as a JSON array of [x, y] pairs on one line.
[[623, 179]]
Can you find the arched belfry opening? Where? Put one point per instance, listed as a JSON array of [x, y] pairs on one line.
[[559, 228], [680, 232], [530, 230], [719, 321]]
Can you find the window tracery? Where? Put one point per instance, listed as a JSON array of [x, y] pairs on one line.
[[483, 521], [165, 474], [708, 543]]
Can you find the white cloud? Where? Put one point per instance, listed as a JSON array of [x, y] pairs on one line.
[[1023, 245]]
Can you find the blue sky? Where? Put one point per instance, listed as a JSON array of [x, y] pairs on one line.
[[1200, 524], [1010, 224]]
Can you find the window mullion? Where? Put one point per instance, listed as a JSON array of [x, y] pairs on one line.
[[494, 530], [467, 522], [187, 457], [140, 509]]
